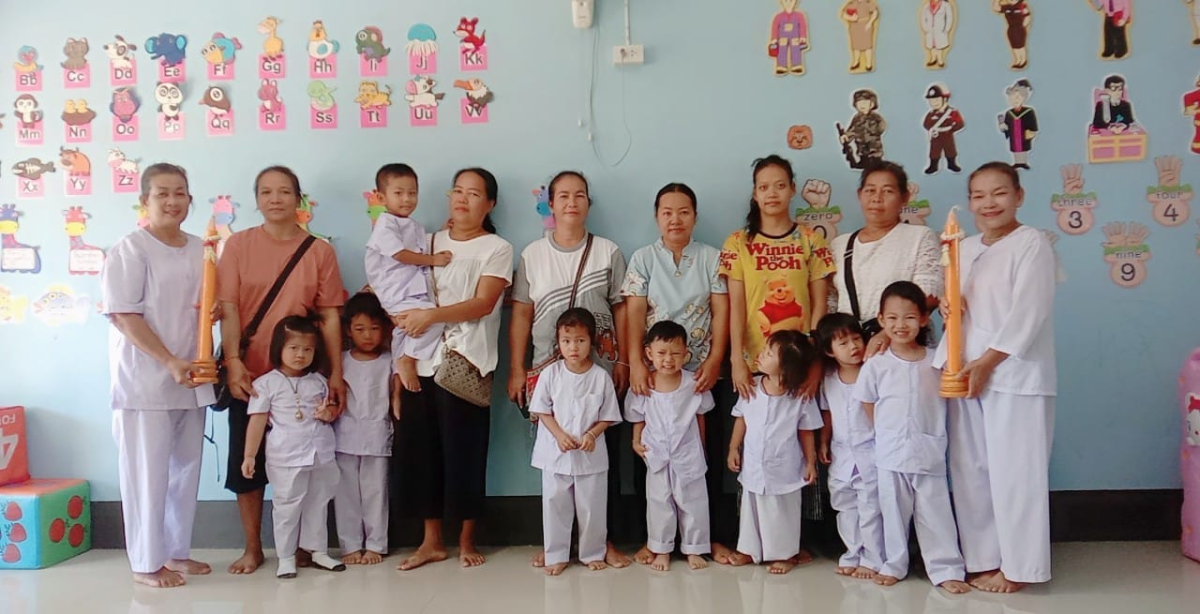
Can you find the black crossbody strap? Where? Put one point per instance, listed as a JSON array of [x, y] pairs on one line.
[[848, 271], [273, 293]]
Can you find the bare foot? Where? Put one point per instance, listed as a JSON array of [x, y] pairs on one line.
[[163, 578], [955, 587], [844, 571], [189, 567], [613, 557], [422, 556], [883, 580], [600, 565], [997, 583], [303, 558], [803, 557], [978, 579], [354, 558], [865, 573], [661, 562], [721, 554], [247, 564], [468, 556], [370, 557], [737, 559], [695, 561], [644, 556], [555, 570], [406, 366], [782, 567], [539, 561]]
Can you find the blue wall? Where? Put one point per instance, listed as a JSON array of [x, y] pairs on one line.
[[703, 106]]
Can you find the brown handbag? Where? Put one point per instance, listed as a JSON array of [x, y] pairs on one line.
[[456, 374], [531, 376]]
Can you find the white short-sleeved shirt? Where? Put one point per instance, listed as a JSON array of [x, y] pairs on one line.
[[906, 253], [910, 416], [772, 460], [399, 286], [144, 276], [1009, 289], [577, 401], [292, 442], [477, 340], [365, 428], [853, 444], [671, 434]]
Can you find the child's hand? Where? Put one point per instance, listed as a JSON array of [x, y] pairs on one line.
[[810, 472], [735, 461], [588, 443], [324, 412], [823, 454], [640, 449], [566, 443], [397, 321], [442, 258], [248, 467]]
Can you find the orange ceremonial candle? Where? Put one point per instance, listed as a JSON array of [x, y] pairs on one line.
[[952, 386], [204, 368]]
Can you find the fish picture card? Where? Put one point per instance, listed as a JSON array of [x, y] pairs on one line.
[[77, 72], [422, 50], [472, 46], [373, 55], [12, 306], [1075, 208], [322, 53], [27, 71], [62, 305], [30, 177], [77, 121], [1171, 202], [219, 54], [323, 113], [122, 66], [169, 50]]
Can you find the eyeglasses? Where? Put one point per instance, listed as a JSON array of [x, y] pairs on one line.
[[459, 192]]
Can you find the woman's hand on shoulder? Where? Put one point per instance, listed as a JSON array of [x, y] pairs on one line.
[[876, 346]]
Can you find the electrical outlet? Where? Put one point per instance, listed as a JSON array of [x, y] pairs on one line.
[[629, 54]]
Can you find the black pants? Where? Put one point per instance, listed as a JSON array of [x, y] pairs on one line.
[[440, 454], [234, 481], [722, 483], [1115, 43]]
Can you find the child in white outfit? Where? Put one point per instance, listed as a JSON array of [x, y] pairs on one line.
[[779, 457], [668, 434], [300, 450], [848, 447], [364, 435], [899, 391], [575, 402]]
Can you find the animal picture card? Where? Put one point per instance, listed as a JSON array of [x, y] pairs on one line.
[[124, 107], [787, 41], [62, 305], [122, 66], [83, 259], [27, 71], [77, 121], [422, 50], [938, 20], [12, 306], [1171, 202], [271, 63], [29, 118], [1075, 209], [422, 101], [77, 73], [169, 50], [1018, 17], [372, 54], [16, 257], [472, 45], [1126, 252], [322, 53], [126, 172], [30, 177], [171, 122], [272, 115], [218, 116], [323, 113], [373, 101], [219, 54], [474, 105], [799, 137], [819, 216], [862, 28], [77, 171]]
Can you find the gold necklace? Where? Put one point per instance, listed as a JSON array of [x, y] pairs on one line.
[[296, 393]]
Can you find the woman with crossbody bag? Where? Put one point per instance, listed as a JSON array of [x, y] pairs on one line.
[[252, 265]]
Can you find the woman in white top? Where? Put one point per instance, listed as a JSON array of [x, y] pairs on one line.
[[442, 439], [884, 250], [150, 286]]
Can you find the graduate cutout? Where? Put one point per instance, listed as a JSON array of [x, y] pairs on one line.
[[368, 44], [77, 73], [16, 257], [29, 120], [476, 96], [30, 177], [819, 216], [938, 19], [124, 107], [422, 101], [271, 113], [61, 305], [122, 69], [322, 53], [917, 209], [271, 64], [1194, 16], [77, 169], [788, 38], [218, 116], [126, 173], [323, 113], [171, 121], [219, 53], [862, 28], [1191, 108], [27, 71], [1126, 252], [422, 50], [1114, 134], [1075, 209], [77, 121], [373, 102], [800, 137], [83, 259], [1019, 123], [862, 138], [1116, 16], [12, 306], [1017, 19], [472, 46], [941, 123], [169, 50], [1171, 201]]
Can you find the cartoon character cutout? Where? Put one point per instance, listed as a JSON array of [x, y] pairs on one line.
[[472, 44], [1019, 124], [28, 111], [371, 96], [862, 139], [33, 168], [76, 72], [477, 95], [368, 43], [1117, 15], [422, 50], [121, 67], [819, 216], [375, 205], [219, 54], [304, 215], [780, 309], [862, 27], [1171, 202], [917, 210], [321, 96], [800, 137], [12, 306], [76, 113], [170, 100], [1193, 421], [420, 92], [938, 20], [1191, 108], [788, 38], [61, 305], [16, 257], [1194, 16], [167, 48], [542, 196], [273, 45], [222, 216], [125, 104], [1018, 17], [941, 123], [1115, 134], [1075, 209], [79, 171], [27, 60], [320, 46], [268, 95], [216, 100], [1126, 252], [84, 259]]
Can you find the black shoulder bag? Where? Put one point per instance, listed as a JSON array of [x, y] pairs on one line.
[[870, 327]]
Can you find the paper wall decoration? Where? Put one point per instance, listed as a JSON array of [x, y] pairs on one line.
[[1019, 123], [368, 43], [219, 53], [1194, 15], [29, 173], [1116, 15], [124, 107], [271, 63], [375, 205], [122, 67], [1115, 135], [373, 102], [271, 113], [542, 196], [938, 20], [941, 123], [322, 53], [169, 50], [1074, 207], [1127, 252], [77, 72], [304, 216], [29, 120], [323, 113], [862, 138], [819, 216], [800, 137], [83, 259], [12, 306], [1018, 17], [77, 121], [1171, 202], [27, 71], [787, 39], [472, 46], [223, 215], [16, 257], [1060, 272], [77, 169], [862, 28], [62, 305], [1191, 108], [422, 101], [218, 120], [474, 105], [422, 50], [171, 122], [917, 209], [126, 173]]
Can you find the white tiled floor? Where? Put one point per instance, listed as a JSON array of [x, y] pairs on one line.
[[1092, 578]]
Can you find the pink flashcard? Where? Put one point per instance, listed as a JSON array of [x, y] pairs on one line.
[[124, 75], [126, 181], [29, 81], [322, 68], [81, 133], [422, 64], [78, 184], [423, 116], [470, 59], [220, 71], [77, 77], [472, 113], [171, 128], [272, 68], [31, 134], [323, 119], [274, 119], [219, 124], [125, 131], [373, 67], [171, 74], [31, 188], [373, 117]]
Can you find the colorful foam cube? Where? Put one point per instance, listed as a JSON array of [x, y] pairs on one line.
[[14, 455], [44, 522]]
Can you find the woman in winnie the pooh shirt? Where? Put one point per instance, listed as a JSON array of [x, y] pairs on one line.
[[780, 311]]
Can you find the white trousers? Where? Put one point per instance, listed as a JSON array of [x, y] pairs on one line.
[[1000, 467], [859, 521], [925, 499], [158, 458], [769, 528], [566, 498], [420, 348], [361, 503], [300, 506], [670, 506]]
